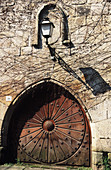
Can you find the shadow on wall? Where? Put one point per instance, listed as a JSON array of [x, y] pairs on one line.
[[95, 81]]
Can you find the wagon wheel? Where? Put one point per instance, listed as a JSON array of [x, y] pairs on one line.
[[54, 133]]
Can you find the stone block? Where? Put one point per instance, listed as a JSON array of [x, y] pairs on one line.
[[80, 20], [76, 2], [3, 3], [19, 33], [97, 157], [18, 41], [1, 121], [102, 145], [97, 9], [96, 1], [93, 131], [106, 145], [26, 50], [8, 34], [101, 136], [10, 2], [109, 106], [99, 111], [3, 109], [5, 43], [82, 10], [2, 53], [12, 167], [103, 129], [12, 51]]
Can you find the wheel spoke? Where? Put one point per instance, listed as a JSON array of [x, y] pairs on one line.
[[68, 117], [63, 112], [37, 142], [59, 109], [68, 135]]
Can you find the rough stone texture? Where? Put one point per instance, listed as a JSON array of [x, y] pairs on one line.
[[103, 111], [19, 167], [101, 136], [22, 63], [12, 167], [2, 110], [97, 157]]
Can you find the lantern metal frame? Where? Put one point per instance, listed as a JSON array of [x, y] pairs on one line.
[[47, 28]]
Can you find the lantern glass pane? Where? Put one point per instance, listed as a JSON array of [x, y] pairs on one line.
[[46, 30]]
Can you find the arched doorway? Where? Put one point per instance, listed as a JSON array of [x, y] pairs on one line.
[[48, 125]]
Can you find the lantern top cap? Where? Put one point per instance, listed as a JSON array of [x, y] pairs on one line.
[[47, 21]]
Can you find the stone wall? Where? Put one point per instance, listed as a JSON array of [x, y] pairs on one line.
[[25, 57]]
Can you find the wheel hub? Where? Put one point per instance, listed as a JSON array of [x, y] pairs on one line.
[[48, 125]]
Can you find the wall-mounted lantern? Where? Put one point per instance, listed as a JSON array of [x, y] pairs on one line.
[[47, 28]]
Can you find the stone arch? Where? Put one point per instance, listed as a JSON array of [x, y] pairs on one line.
[[57, 108], [44, 12]]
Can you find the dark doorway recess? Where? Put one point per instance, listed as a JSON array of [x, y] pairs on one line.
[[48, 126]]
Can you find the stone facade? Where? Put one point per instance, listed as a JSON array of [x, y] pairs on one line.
[[25, 57]]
